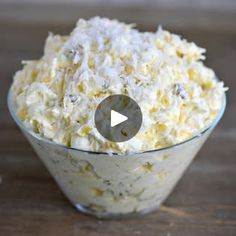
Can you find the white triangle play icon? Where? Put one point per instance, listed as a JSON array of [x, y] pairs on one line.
[[117, 118]]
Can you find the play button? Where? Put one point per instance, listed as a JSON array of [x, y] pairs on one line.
[[118, 118]]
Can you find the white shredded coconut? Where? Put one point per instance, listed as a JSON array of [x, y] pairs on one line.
[[56, 96]]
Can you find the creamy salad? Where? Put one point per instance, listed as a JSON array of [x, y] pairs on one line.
[[57, 95]]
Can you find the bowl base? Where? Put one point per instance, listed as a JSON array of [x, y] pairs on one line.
[[107, 216]]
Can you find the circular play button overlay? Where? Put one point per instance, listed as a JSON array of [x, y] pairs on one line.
[[118, 118]]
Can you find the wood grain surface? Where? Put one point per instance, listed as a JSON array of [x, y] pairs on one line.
[[204, 201]]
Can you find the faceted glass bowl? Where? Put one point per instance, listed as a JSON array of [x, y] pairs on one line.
[[114, 186]]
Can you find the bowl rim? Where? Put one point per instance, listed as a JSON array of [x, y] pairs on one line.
[[211, 126]]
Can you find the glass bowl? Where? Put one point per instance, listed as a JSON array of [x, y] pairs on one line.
[[115, 186]]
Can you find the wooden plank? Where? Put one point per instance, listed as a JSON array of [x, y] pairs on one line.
[[44, 220], [144, 15]]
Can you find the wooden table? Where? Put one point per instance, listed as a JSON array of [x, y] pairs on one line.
[[204, 201]]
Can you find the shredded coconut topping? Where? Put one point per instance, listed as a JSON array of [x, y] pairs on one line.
[[57, 95]]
